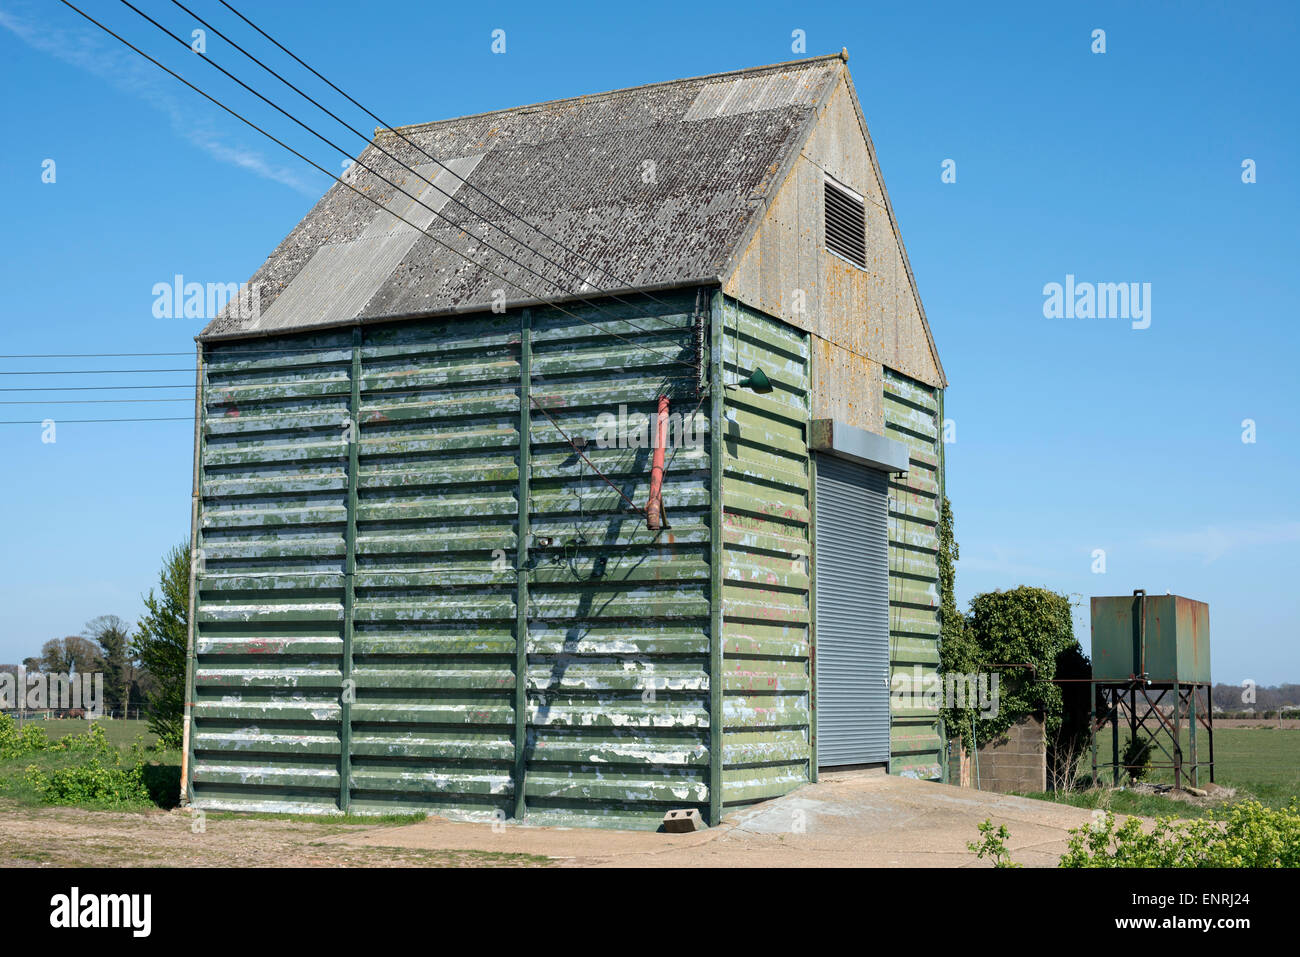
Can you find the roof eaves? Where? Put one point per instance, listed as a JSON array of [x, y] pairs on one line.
[[509, 304]]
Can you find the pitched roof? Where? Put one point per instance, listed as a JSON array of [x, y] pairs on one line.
[[579, 169]]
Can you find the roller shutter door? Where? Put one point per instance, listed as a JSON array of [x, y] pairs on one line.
[[852, 614]]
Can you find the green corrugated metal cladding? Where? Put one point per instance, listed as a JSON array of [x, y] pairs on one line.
[[912, 417], [381, 626], [361, 603], [767, 683]]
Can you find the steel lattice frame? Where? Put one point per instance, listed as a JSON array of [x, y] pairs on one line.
[[1123, 702]]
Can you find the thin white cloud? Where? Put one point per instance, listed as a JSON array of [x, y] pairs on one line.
[[128, 72], [1213, 542], [1000, 561]]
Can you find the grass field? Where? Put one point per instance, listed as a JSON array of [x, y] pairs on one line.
[[1260, 763], [162, 773], [120, 732]]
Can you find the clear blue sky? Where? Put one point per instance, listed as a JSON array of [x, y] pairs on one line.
[[1071, 434]]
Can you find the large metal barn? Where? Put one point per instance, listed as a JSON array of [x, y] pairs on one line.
[[445, 560]]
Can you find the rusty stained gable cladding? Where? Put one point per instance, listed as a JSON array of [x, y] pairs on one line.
[[862, 320], [576, 169]]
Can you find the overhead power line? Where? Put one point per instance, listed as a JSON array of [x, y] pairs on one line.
[[397, 132], [451, 196], [90, 355], [90, 388], [462, 254], [438, 213], [90, 371], [239, 351], [86, 401], [349, 186]]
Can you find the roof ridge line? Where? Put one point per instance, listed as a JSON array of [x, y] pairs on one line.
[[610, 93]]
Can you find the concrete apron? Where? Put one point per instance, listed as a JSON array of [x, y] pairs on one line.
[[848, 819]]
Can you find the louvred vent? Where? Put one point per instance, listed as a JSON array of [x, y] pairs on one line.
[[846, 225]]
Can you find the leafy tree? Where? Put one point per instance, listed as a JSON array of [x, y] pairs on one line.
[[62, 655], [112, 634], [1025, 626], [1022, 626], [160, 644]]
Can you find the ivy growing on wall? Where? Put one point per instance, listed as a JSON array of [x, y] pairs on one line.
[[957, 653]]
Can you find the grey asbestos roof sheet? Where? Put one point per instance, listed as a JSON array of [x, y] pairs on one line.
[[578, 169]]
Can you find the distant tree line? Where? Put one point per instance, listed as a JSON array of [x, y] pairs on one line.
[[144, 667], [103, 647], [1237, 698]]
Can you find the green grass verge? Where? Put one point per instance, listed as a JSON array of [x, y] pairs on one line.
[[1260, 763], [93, 773], [1125, 803]]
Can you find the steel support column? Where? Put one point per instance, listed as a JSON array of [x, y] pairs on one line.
[[717, 401], [521, 560], [349, 573], [196, 552]]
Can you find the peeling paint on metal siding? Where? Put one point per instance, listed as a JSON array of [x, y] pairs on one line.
[[434, 638], [766, 524], [614, 611], [618, 685], [268, 643], [911, 416]]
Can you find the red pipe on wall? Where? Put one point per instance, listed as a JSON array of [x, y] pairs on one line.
[[654, 509]]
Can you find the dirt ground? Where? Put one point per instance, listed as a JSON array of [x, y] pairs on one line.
[[72, 837], [850, 819]]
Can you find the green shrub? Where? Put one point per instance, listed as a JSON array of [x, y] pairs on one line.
[[97, 777], [19, 743], [91, 741], [32, 739], [1245, 834], [93, 782], [993, 845], [1137, 757]]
